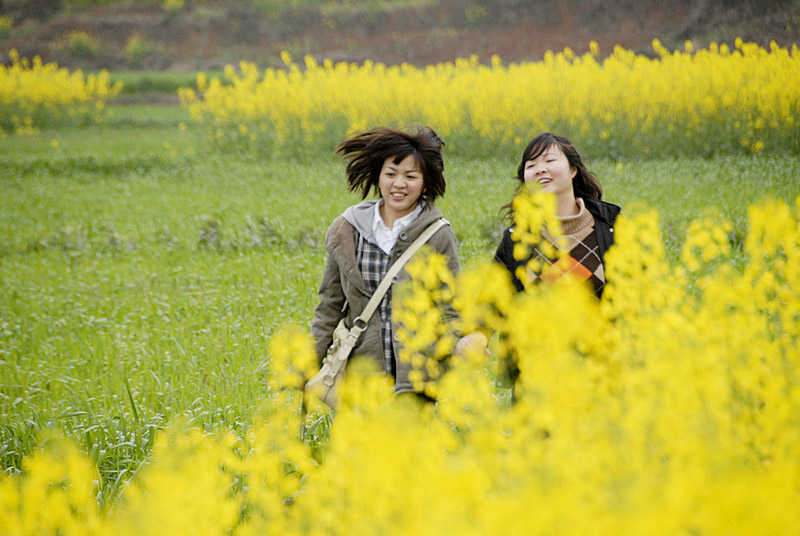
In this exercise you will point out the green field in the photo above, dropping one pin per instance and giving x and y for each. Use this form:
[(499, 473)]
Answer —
[(142, 274)]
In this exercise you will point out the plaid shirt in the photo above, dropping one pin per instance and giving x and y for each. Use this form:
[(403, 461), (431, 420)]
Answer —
[(374, 264)]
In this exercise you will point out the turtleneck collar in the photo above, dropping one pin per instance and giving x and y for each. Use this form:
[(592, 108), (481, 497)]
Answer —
[(573, 224)]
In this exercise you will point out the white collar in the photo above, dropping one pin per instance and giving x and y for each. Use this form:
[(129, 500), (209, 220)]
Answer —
[(386, 238)]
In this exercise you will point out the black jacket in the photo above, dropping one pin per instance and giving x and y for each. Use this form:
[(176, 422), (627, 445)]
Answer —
[(605, 214)]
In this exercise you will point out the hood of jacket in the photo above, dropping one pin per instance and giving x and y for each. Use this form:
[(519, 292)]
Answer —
[(343, 236), (360, 217)]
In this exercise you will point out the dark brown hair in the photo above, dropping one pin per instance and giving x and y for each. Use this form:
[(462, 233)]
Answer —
[(585, 183), (367, 152)]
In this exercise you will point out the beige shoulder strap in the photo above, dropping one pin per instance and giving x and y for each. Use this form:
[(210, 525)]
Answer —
[(360, 323)]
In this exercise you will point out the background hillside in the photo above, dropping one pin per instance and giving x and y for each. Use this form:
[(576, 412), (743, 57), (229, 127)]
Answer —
[(186, 35)]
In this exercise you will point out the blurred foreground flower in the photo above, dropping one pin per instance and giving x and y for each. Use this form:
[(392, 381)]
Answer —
[(667, 408)]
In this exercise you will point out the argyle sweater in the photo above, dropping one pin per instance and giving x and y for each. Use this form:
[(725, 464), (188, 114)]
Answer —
[(583, 258)]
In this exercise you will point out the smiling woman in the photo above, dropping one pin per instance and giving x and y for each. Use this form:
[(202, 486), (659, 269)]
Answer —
[(571, 245), (401, 185), (576, 241), (368, 238)]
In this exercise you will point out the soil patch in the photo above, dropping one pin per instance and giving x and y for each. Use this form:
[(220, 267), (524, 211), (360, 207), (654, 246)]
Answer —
[(204, 36)]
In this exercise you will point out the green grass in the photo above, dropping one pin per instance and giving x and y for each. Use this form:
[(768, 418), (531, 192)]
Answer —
[(140, 82), (142, 275)]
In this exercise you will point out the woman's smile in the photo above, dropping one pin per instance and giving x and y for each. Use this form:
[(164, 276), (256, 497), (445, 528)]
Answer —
[(401, 184), (551, 171)]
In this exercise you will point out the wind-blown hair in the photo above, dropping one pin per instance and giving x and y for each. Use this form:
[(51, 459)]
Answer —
[(367, 152)]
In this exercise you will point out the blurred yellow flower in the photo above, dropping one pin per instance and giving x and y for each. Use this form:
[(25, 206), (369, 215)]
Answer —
[(33, 94)]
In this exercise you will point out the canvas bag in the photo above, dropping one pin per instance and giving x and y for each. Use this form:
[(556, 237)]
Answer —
[(324, 384)]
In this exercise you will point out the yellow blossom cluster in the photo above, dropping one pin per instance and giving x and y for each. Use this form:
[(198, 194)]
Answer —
[(682, 102), (57, 495), (426, 339), (656, 410), (707, 240), (533, 211), (34, 94), (291, 359)]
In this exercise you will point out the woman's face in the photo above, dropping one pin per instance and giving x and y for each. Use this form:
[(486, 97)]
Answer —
[(401, 186), (550, 171)]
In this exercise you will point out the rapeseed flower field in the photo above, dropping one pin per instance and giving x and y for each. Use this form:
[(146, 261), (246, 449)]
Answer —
[(690, 102), (672, 406), (35, 94)]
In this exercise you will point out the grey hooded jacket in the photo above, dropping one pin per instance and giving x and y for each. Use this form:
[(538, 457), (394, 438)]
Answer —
[(343, 292)]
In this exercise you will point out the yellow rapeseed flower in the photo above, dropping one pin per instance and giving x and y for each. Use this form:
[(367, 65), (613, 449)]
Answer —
[(34, 94), (707, 100), (657, 410)]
